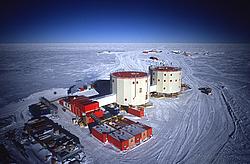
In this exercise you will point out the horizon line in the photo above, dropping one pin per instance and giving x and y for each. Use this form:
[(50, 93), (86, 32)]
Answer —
[(124, 43)]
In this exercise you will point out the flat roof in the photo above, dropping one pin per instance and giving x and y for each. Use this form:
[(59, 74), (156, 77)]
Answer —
[(142, 125), (104, 128), (133, 129), (121, 135), (167, 69), (129, 74), (117, 124)]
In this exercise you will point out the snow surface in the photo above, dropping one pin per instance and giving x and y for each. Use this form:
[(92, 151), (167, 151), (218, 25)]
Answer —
[(193, 128)]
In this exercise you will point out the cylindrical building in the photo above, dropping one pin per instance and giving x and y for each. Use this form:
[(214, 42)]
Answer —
[(130, 87), (167, 79)]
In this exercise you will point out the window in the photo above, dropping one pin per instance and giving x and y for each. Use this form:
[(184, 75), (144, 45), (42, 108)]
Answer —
[(113, 80), (146, 96), (170, 80), (164, 88), (171, 74), (125, 99), (165, 74), (153, 79), (140, 90), (153, 73), (146, 81), (158, 79), (133, 82), (137, 82), (164, 80), (176, 80)]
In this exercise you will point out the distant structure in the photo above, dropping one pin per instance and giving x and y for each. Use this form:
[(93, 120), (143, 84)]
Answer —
[(130, 87), (165, 79)]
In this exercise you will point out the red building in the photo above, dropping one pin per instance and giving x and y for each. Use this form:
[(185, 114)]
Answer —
[(139, 132), (123, 133), (100, 132), (148, 128), (121, 139), (83, 105), (79, 105)]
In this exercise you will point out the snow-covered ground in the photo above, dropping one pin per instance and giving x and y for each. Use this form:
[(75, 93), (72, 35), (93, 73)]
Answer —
[(193, 128)]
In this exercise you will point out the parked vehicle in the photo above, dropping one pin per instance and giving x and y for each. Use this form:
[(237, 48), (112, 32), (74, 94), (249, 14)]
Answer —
[(206, 90), (153, 58)]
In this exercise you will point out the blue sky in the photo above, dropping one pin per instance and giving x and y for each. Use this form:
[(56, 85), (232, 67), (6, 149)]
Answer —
[(123, 21)]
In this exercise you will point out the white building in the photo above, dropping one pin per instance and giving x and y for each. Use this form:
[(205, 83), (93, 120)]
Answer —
[(130, 87), (166, 79)]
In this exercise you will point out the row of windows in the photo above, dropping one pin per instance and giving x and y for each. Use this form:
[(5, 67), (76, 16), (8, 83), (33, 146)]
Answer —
[(134, 82), (165, 74), (169, 80)]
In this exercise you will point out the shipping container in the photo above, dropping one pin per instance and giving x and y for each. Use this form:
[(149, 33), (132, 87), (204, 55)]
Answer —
[(80, 105), (91, 106), (98, 113), (139, 112)]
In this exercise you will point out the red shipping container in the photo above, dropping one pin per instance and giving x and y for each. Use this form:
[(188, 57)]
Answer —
[(83, 105), (98, 113), (76, 110), (91, 106), (136, 112), (100, 136)]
